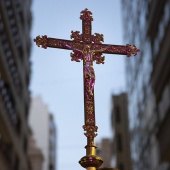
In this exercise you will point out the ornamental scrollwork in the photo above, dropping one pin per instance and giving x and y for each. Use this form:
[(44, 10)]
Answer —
[(99, 58), (76, 56), (97, 38), (90, 131), (90, 115), (131, 50), (76, 36), (41, 41), (86, 15)]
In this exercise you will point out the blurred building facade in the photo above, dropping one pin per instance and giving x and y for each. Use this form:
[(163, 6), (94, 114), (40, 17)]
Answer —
[(44, 131), (120, 127), (34, 153), (52, 143), (147, 25), (104, 151), (15, 44)]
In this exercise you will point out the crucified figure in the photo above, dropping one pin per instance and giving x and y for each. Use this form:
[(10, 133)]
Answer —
[(88, 64)]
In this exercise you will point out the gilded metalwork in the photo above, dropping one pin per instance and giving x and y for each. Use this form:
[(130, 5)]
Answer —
[(99, 58), (89, 109), (89, 48), (76, 36), (131, 50), (107, 168), (90, 131), (91, 161), (97, 38), (41, 41), (86, 15)]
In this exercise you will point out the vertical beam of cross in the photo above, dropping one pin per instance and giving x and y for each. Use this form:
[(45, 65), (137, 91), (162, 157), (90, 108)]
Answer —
[(89, 105), (78, 45)]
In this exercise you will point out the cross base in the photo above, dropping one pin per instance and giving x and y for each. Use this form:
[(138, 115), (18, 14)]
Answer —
[(91, 162)]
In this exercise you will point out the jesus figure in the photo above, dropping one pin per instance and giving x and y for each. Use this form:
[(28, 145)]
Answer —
[(88, 66)]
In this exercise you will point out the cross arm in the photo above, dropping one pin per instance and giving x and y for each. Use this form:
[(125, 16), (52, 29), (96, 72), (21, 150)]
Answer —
[(44, 42), (76, 46), (127, 50)]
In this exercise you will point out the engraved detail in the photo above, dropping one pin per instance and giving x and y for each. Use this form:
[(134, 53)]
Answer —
[(41, 41), (90, 131), (90, 117), (131, 50), (86, 15), (99, 58), (57, 43), (76, 36), (97, 38), (116, 49), (76, 56), (87, 37)]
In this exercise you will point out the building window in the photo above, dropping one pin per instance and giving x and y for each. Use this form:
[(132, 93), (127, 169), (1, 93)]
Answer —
[(119, 142), (117, 114)]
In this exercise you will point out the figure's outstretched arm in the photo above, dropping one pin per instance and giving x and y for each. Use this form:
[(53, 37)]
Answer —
[(99, 51), (66, 45), (70, 47)]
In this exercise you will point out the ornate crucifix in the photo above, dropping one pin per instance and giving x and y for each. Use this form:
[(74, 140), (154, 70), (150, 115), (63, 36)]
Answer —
[(87, 47)]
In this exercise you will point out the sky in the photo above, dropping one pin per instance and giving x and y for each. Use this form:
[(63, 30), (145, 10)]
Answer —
[(59, 81)]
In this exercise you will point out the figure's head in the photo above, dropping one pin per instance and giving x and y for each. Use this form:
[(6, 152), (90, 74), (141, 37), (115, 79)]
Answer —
[(87, 48)]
